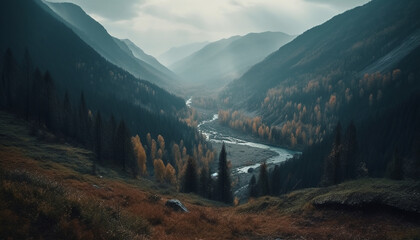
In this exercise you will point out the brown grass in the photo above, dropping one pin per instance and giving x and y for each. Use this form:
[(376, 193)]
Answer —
[(117, 196)]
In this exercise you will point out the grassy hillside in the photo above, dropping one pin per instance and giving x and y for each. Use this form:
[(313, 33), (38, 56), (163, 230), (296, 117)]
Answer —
[(47, 191)]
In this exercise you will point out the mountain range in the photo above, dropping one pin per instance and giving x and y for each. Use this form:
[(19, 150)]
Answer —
[(219, 62), (176, 54), (360, 66)]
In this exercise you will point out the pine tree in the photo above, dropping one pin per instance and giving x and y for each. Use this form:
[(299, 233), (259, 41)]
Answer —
[(205, 182), (49, 102), (332, 161), (37, 95), (6, 79), (112, 138), (395, 167), (27, 71), (275, 181), (262, 183), (123, 147), (82, 122), (349, 160), (252, 187), (98, 136), (190, 177), (223, 178), (66, 116)]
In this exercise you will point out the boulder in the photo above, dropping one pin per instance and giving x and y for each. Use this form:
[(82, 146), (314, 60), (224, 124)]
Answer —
[(176, 205)]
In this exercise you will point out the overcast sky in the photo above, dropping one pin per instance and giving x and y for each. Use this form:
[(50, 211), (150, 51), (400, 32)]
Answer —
[(157, 25)]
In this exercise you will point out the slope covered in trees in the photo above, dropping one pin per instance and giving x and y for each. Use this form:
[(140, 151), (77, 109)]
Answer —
[(99, 39), (325, 75), (32, 95), (27, 26)]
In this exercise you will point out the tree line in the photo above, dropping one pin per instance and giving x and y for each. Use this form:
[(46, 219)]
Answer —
[(33, 95), (342, 157)]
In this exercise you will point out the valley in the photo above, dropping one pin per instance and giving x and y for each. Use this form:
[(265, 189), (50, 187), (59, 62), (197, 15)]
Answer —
[(172, 119), (245, 156)]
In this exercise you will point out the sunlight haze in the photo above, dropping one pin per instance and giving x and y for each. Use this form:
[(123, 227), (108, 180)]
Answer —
[(158, 25)]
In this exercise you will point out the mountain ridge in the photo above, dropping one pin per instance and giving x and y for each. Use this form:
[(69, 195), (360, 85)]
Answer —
[(97, 36), (222, 61)]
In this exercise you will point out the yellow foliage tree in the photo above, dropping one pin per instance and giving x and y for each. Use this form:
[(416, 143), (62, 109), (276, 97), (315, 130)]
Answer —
[(140, 154), (159, 168), (153, 150), (161, 141), (170, 174)]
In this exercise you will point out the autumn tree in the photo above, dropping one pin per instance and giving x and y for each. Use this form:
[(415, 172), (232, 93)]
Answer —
[(140, 154), (161, 142), (153, 150), (224, 190), (176, 153), (160, 169), (170, 174)]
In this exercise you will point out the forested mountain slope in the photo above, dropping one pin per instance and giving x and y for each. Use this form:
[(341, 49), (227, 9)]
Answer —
[(353, 66), (99, 39), (76, 67)]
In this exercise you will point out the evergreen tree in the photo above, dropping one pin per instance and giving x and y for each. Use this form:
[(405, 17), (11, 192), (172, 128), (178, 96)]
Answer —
[(190, 177), (252, 187), (262, 183), (112, 138), (82, 123), (66, 116), (98, 142), (205, 183), (349, 161), (395, 167), (223, 178), (48, 106), (27, 71), (37, 96), (275, 181), (123, 146), (6, 79), (332, 162)]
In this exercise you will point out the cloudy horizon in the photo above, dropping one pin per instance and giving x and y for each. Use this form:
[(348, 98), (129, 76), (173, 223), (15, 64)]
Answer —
[(158, 25)]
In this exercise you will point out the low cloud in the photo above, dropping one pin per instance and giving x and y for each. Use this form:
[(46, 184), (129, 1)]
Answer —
[(157, 25)]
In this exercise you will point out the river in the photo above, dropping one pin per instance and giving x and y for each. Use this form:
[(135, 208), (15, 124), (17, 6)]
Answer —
[(245, 155)]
